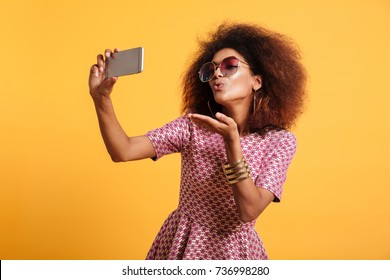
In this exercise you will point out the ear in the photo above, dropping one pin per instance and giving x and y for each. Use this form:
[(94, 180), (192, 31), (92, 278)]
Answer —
[(257, 82)]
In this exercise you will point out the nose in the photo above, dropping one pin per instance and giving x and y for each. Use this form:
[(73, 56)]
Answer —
[(217, 72)]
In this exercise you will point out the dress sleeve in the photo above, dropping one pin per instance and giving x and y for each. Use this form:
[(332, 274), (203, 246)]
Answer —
[(170, 138), (274, 168)]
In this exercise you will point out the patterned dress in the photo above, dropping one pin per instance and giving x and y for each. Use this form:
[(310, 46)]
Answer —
[(206, 224)]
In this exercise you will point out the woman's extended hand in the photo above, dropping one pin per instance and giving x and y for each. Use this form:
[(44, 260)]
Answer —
[(99, 85), (223, 125)]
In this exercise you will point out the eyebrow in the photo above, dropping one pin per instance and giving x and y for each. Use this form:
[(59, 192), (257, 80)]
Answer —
[(224, 59), (216, 62), (231, 56)]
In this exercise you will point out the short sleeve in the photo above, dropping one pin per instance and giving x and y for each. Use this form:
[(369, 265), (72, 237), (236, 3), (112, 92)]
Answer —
[(273, 172), (170, 138)]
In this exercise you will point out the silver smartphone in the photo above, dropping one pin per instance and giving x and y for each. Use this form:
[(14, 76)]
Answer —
[(125, 62)]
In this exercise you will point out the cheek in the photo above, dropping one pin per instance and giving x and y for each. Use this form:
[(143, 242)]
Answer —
[(242, 84)]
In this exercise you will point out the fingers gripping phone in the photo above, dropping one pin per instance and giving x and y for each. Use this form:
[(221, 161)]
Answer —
[(125, 62)]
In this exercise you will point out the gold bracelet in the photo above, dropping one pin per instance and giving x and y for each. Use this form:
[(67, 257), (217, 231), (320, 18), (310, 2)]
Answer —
[(237, 171), (234, 164)]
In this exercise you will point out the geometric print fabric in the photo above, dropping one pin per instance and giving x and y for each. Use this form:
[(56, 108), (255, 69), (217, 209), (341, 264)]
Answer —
[(206, 224)]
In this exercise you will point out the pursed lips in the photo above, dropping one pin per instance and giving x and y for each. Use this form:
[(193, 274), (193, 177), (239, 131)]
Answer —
[(217, 85)]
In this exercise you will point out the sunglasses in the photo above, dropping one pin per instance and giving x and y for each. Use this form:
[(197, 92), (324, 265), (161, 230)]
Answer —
[(228, 67)]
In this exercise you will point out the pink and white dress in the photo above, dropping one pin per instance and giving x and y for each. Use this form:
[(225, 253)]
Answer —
[(206, 224)]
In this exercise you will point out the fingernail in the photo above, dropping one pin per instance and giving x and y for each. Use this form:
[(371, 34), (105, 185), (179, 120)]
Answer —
[(101, 69)]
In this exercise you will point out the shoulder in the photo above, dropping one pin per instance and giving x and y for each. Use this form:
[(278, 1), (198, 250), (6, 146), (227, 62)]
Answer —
[(274, 140), (179, 124), (284, 142), (274, 136), (280, 135)]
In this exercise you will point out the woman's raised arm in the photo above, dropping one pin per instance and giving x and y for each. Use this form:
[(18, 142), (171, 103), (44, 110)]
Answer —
[(120, 146)]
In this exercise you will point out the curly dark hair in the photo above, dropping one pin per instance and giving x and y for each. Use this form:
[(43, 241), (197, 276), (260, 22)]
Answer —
[(271, 55)]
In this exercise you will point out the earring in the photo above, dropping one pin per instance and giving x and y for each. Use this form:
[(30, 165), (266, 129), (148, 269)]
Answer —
[(254, 102), (255, 93), (211, 111)]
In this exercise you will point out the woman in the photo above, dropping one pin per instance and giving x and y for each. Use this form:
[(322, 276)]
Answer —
[(243, 90)]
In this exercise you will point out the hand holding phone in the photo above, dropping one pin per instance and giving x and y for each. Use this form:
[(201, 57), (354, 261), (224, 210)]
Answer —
[(125, 62)]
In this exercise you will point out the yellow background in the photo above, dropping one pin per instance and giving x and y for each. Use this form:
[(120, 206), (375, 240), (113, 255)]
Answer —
[(62, 198)]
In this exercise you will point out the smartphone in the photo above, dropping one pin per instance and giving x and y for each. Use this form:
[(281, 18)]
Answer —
[(125, 62)]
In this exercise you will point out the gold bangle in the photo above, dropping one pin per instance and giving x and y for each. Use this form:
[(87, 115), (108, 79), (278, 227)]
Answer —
[(234, 164), (237, 174), (237, 171)]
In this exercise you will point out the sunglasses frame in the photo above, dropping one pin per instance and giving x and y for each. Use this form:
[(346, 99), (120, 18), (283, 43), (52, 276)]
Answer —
[(216, 66)]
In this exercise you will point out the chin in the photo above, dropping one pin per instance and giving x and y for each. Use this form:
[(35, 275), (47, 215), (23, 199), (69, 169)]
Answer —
[(223, 99), (220, 97)]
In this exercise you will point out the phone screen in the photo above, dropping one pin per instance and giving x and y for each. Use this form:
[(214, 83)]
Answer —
[(125, 62)]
